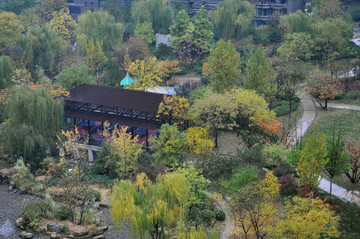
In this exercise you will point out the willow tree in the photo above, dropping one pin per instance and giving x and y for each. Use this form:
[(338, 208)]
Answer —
[(42, 47), (152, 209), (233, 19), (34, 119), (157, 12), (99, 26)]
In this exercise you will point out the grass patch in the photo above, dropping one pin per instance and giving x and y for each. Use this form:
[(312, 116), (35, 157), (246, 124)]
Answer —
[(348, 121), (289, 120), (347, 97), (5, 164)]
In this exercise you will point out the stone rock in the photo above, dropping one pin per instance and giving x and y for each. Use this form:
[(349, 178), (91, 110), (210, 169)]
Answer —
[(22, 191), (100, 230), (54, 235), (15, 191), (99, 237), (79, 231), (42, 178), (52, 227), (56, 192), (20, 222), (10, 188), (43, 228), (7, 172), (26, 235), (97, 205), (12, 184), (104, 205)]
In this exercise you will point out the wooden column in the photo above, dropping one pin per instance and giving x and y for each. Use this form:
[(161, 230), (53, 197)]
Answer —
[(88, 126), (146, 135), (132, 132)]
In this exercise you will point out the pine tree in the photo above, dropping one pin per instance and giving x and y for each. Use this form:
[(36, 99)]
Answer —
[(203, 27)]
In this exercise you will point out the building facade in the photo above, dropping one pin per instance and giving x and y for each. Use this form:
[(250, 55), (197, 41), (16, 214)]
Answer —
[(266, 9)]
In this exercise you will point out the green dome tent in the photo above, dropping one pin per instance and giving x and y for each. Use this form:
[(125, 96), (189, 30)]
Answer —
[(127, 80)]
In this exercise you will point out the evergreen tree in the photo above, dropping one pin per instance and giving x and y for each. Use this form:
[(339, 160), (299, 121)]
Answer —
[(260, 76), (182, 21), (203, 27), (224, 66), (5, 71)]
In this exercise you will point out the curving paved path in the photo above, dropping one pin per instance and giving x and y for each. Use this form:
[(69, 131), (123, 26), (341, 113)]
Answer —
[(229, 224), (309, 113), (344, 106)]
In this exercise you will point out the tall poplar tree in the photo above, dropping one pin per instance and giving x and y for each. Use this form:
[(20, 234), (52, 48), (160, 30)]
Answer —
[(224, 66), (260, 76)]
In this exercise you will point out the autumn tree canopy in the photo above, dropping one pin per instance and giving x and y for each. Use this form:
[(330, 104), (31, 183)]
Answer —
[(151, 209)]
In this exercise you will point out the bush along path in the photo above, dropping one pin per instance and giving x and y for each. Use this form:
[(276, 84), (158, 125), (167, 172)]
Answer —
[(309, 113)]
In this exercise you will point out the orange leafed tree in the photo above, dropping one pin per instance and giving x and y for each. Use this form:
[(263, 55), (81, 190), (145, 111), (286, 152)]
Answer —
[(170, 68), (323, 88), (353, 150)]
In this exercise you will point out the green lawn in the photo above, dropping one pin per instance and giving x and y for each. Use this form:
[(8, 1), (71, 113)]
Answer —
[(289, 121), (346, 120)]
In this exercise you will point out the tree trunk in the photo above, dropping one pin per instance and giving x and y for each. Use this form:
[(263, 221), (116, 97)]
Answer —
[(331, 181), (325, 107)]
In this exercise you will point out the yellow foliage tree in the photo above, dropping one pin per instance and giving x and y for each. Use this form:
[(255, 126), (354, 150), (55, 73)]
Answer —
[(306, 218), (71, 146), (152, 209), (256, 207), (10, 27), (126, 151), (173, 109), (215, 112), (95, 56), (198, 141), (147, 73), (63, 24)]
